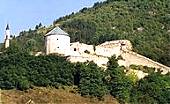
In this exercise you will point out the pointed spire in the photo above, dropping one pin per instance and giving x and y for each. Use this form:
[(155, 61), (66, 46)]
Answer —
[(7, 27)]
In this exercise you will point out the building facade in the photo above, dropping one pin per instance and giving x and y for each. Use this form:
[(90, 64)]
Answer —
[(57, 41)]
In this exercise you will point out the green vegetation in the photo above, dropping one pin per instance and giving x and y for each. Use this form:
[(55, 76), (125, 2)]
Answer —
[(144, 22), (1, 47), (145, 69), (91, 80), (23, 71), (154, 89), (118, 83)]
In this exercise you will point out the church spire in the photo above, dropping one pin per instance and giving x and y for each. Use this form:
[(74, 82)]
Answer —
[(7, 36), (7, 27)]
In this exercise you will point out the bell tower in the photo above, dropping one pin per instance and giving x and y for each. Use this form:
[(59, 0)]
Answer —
[(7, 36)]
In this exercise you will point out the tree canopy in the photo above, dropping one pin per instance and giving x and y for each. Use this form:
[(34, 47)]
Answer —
[(22, 71)]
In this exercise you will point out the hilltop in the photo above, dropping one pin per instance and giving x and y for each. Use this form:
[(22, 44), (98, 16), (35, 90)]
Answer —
[(145, 23)]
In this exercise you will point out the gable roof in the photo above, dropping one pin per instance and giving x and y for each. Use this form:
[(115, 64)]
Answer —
[(57, 31)]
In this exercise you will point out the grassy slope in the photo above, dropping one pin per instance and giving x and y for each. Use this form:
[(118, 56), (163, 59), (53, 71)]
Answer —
[(49, 95)]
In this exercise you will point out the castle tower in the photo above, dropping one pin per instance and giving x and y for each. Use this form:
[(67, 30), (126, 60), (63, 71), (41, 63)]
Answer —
[(57, 41), (7, 36)]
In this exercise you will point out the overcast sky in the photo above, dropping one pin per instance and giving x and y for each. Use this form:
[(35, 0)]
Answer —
[(25, 14)]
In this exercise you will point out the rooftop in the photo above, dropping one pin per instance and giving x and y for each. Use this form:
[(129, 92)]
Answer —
[(57, 31)]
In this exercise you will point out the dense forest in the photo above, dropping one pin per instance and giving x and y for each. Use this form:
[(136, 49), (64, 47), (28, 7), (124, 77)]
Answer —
[(146, 23), (22, 71)]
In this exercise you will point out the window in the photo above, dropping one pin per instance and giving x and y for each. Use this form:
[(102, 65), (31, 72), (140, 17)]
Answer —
[(57, 38), (74, 49)]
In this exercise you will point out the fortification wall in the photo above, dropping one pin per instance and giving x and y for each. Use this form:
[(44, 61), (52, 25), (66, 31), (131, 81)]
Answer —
[(99, 60), (107, 52), (117, 43), (136, 59), (81, 47), (107, 49)]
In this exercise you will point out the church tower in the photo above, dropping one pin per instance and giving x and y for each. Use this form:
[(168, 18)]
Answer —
[(7, 36)]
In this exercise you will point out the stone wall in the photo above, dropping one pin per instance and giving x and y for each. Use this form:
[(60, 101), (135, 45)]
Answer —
[(125, 44), (136, 59), (108, 52), (99, 60), (107, 49), (110, 48), (81, 48)]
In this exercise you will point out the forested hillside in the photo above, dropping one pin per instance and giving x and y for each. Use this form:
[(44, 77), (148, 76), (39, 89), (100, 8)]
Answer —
[(146, 23), (22, 71)]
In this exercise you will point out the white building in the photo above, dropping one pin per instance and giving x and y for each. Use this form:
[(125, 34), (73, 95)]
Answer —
[(77, 49), (57, 41), (7, 36)]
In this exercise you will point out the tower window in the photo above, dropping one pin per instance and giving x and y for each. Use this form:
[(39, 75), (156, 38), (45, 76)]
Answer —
[(74, 49), (57, 47), (57, 38)]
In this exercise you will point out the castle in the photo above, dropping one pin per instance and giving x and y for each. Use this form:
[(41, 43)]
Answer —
[(58, 41)]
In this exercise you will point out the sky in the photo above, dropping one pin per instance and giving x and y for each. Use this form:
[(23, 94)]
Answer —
[(24, 14)]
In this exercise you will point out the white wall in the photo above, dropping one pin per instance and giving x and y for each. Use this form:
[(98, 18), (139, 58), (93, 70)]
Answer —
[(100, 61), (7, 38), (7, 34), (81, 48), (57, 44), (6, 43), (108, 52), (137, 59)]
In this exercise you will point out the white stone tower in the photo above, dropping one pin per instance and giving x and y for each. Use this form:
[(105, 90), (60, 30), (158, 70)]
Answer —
[(57, 41), (7, 36)]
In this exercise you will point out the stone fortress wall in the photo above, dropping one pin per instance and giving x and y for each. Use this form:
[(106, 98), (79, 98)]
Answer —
[(77, 49), (99, 60), (137, 59), (99, 54)]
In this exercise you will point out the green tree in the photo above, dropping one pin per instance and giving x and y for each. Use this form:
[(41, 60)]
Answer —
[(91, 81), (118, 83), (153, 89), (13, 76)]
